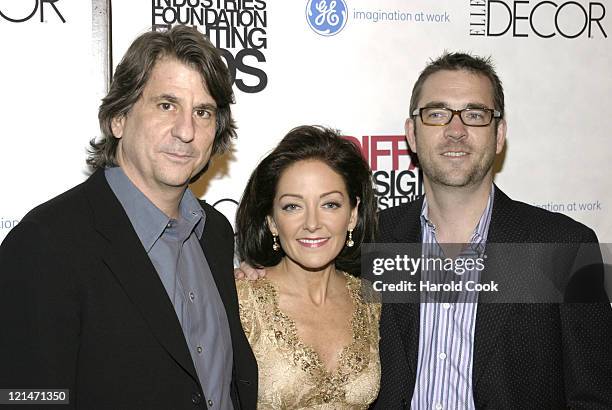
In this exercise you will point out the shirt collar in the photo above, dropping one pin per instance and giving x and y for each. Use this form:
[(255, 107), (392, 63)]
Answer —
[(149, 221), (480, 231), (192, 212)]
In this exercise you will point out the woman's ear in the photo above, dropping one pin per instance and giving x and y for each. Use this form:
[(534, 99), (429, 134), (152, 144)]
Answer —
[(271, 225), (354, 215)]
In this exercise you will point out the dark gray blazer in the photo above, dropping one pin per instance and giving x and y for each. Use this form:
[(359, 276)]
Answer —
[(82, 307), (526, 356)]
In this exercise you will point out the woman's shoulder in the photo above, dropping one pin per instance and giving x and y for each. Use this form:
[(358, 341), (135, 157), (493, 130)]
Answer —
[(254, 303), (364, 288), (243, 288), (363, 291), (253, 292), (244, 291)]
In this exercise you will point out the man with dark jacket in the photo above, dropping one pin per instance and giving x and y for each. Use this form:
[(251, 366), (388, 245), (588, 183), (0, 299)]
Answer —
[(482, 353), (121, 290)]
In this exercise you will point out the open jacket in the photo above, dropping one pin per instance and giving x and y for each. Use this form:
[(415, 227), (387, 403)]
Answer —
[(526, 356), (82, 308)]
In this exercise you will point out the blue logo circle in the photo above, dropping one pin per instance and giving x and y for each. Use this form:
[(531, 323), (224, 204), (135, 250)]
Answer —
[(326, 17)]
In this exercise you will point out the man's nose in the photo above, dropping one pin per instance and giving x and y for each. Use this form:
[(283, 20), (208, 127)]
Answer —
[(184, 127), (456, 129)]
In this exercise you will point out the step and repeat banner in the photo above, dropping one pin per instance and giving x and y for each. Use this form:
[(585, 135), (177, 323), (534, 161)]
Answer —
[(347, 64)]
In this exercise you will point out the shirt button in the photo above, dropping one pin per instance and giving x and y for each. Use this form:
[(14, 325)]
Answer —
[(210, 403), (191, 296), (199, 349), (196, 398), (442, 355), (446, 306), (439, 406)]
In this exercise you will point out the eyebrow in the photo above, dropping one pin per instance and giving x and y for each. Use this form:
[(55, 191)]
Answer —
[(320, 196), (436, 104), (206, 106), (165, 97), (174, 99), (441, 104), (475, 105)]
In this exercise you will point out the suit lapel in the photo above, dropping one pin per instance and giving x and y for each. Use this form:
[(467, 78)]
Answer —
[(215, 255), (126, 258), (407, 315), (505, 227)]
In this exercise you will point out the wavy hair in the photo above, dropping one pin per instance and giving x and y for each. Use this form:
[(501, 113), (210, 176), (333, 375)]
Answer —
[(187, 45), (254, 239)]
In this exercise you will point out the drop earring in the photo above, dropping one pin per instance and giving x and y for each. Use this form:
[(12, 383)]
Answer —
[(349, 241), (275, 245)]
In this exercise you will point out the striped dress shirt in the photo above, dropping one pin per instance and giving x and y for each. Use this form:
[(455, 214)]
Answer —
[(446, 334)]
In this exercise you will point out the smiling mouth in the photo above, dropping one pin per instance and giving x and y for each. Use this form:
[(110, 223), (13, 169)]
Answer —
[(454, 154), (313, 243)]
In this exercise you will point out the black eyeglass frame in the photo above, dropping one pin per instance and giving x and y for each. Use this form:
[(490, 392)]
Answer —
[(494, 114)]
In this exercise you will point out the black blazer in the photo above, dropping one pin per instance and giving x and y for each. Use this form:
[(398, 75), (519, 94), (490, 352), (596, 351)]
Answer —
[(82, 307), (526, 356)]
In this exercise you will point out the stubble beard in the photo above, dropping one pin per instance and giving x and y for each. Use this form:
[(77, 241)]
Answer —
[(457, 178)]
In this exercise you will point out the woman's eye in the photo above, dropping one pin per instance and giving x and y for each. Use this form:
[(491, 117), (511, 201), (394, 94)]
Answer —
[(290, 207), (331, 205)]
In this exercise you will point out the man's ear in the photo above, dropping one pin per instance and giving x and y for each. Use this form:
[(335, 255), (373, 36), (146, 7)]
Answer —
[(118, 125), (271, 225), (410, 135), (501, 136)]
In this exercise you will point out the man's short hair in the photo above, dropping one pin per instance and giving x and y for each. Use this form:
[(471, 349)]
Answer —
[(460, 61), (190, 47)]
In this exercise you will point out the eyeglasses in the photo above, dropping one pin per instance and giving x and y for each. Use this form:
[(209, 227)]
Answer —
[(473, 117)]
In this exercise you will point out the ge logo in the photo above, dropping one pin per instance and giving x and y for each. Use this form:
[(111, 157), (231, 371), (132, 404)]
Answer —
[(19, 11), (326, 17)]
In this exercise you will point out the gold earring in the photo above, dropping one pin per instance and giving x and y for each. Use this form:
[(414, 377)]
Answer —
[(349, 241), (275, 245)]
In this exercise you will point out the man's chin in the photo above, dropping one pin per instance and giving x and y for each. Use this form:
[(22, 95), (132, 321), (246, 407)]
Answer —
[(449, 178), (178, 178), (454, 183), (176, 181)]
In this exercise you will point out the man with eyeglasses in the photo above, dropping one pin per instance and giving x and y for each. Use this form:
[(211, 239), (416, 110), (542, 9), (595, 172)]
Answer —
[(484, 355)]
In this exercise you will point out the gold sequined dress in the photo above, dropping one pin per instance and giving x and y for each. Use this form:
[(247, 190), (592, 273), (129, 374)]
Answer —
[(291, 374)]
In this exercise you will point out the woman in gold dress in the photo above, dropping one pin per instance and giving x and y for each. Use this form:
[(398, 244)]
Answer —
[(305, 211)]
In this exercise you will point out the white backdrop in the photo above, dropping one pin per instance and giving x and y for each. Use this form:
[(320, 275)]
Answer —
[(558, 89)]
